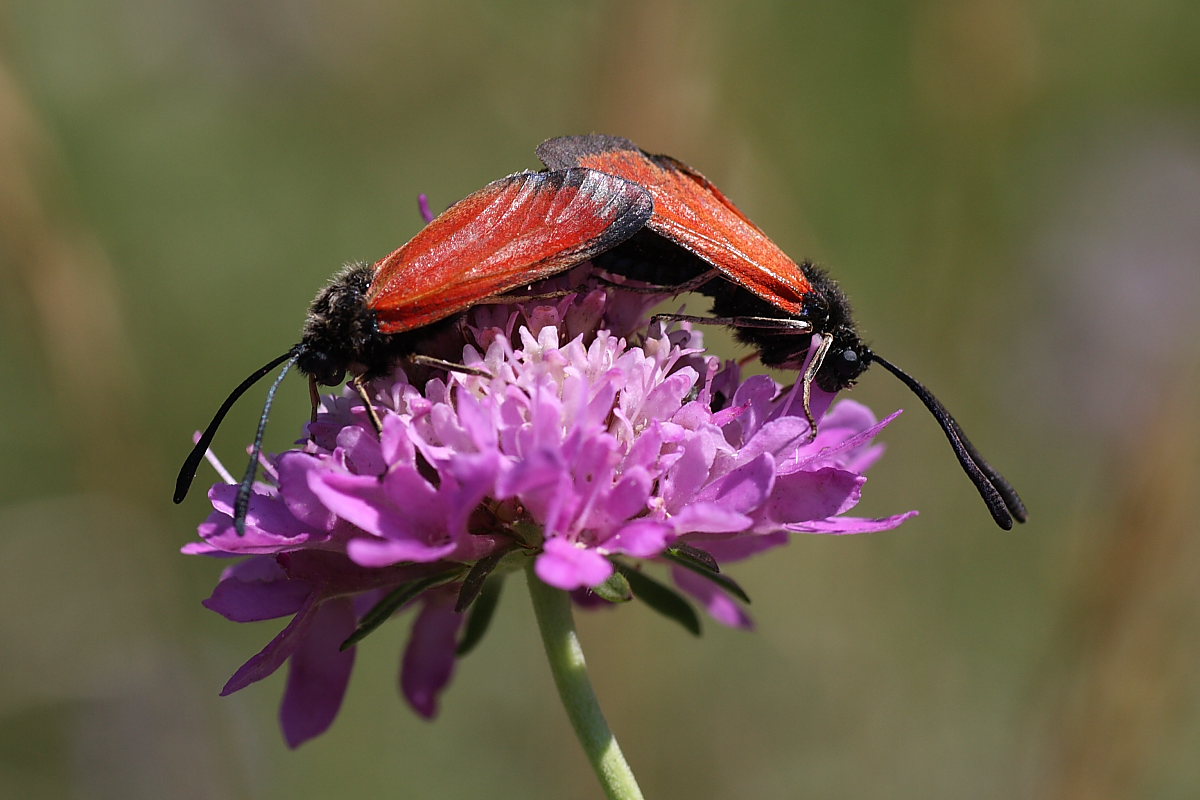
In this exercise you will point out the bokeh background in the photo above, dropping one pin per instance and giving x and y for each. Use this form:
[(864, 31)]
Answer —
[(1008, 189)]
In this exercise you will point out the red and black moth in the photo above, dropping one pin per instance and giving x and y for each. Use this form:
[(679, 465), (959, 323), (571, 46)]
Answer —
[(644, 216), (697, 238), (512, 232)]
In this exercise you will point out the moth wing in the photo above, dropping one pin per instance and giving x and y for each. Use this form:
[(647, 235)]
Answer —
[(510, 233), (692, 212)]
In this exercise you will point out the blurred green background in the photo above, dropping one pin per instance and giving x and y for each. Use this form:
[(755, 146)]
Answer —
[(1009, 191)]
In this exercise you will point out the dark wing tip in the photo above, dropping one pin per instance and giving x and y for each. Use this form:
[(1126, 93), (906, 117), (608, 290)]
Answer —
[(564, 152), (626, 205), (633, 201)]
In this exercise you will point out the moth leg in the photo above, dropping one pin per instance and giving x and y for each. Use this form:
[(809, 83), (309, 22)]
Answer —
[(768, 323), (810, 375), (314, 397), (509, 299), (449, 366), (683, 288), (360, 387)]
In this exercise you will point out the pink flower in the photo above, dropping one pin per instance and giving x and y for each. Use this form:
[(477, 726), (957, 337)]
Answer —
[(584, 442)]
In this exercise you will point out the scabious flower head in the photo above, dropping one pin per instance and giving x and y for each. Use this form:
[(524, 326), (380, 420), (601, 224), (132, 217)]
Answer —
[(581, 436)]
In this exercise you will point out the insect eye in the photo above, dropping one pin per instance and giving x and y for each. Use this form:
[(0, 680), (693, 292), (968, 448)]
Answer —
[(327, 370), (848, 364)]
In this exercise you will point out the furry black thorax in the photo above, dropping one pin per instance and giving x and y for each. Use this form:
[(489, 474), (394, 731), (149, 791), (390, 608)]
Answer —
[(341, 333)]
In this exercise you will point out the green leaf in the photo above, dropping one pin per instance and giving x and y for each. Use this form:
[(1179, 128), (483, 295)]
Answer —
[(615, 589), (481, 615), (473, 583), (684, 550), (662, 598), (700, 567), (391, 603)]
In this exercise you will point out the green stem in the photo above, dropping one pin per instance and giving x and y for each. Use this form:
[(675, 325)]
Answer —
[(552, 607)]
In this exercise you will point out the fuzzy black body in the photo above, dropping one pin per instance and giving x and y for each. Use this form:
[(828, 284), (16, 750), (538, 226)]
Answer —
[(341, 333), (654, 259)]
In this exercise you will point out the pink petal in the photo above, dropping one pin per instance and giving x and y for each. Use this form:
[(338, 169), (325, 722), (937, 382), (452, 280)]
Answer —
[(745, 488), (220, 536), (846, 525), (723, 608), (243, 596), (395, 442), (296, 473), (781, 438), (710, 517), (266, 515), (318, 673), (277, 651), (429, 658), (689, 473), (736, 548), (628, 498), (641, 538), (360, 452), (804, 496), (566, 566), (842, 444), (383, 552)]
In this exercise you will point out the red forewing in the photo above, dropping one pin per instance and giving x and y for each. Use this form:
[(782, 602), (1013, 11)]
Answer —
[(692, 212), (512, 232)]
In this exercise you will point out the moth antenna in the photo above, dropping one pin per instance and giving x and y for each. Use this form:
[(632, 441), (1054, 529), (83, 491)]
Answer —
[(998, 494), (242, 504), (187, 473)]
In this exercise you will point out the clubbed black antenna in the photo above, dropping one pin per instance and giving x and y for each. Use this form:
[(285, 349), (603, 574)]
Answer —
[(1001, 498), (242, 504), (187, 473)]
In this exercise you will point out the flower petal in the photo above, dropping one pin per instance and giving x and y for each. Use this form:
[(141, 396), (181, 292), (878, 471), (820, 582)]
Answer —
[(277, 651), (804, 496), (429, 658), (720, 606), (838, 449), (689, 473), (735, 548), (318, 673), (610, 448), (297, 472), (847, 525), (641, 538), (360, 452), (745, 488), (566, 566), (781, 438), (257, 589), (710, 517), (369, 552)]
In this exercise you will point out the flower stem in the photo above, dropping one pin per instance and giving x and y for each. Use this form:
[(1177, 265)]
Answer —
[(552, 607)]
